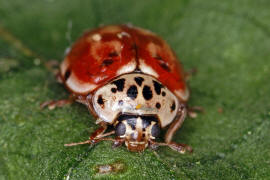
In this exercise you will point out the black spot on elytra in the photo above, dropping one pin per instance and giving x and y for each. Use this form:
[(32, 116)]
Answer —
[(139, 80), (100, 100), (67, 74), (165, 67), (157, 87), (158, 57), (113, 90), (158, 105), (147, 93), (132, 92), (163, 93), (120, 83), (113, 54), (173, 106), (107, 62)]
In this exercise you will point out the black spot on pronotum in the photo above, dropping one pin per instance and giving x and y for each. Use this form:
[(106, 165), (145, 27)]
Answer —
[(173, 106), (158, 105), (67, 74), (165, 67), (120, 129), (132, 92), (100, 100), (120, 102), (113, 90), (139, 80), (120, 84), (158, 87), (155, 131), (147, 93), (107, 62), (163, 93)]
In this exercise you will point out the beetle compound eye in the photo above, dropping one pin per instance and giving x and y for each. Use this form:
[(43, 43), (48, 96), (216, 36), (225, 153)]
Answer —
[(155, 131), (120, 129)]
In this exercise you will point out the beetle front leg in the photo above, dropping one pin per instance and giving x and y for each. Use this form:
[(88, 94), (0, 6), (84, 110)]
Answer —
[(58, 103), (181, 148), (182, 112)]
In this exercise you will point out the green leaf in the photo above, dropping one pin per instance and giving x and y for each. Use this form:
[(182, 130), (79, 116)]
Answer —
[(226, 41)]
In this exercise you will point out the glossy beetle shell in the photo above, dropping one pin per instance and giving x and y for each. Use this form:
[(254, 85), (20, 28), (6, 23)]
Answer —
[(105, 53)]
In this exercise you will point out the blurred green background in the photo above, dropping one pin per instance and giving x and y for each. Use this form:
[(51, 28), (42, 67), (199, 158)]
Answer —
[(227, 41)]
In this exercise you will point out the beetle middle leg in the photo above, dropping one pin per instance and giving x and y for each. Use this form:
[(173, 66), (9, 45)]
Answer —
[(58, 103), (182, 148)]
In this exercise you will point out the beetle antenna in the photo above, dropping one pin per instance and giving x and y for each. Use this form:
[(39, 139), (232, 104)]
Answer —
[(79, 143), (93, 141)]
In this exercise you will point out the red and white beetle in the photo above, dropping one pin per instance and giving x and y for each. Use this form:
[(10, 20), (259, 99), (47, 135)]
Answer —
[(130, 79)]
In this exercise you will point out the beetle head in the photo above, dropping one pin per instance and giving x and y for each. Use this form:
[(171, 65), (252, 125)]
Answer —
[(137, 130)]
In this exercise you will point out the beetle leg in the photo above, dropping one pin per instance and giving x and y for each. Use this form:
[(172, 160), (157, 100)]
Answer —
[(99, 132), (181, 148), (176, 124), (58, 103), (192, 111), (190, 73)]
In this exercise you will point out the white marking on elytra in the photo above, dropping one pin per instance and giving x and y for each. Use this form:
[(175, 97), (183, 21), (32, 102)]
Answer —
[(121, 34), (129, 67), (64, 66), (184, 95), (147, 69), (96, 37), (79, 87)]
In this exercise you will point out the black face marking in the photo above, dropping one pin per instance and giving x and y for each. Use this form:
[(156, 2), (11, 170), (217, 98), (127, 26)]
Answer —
[(132, 119), (120, 129), (147, 93), (100, 100), (155, 131), (163, 93), (113, 54), (113, 90), (173, 106), (67, 74), (165, 67), (158, 105), (146, 120), (158, 87), (107, 62), (120, 102), (132, 123), (139, 80), (132, 92), (120, 83)]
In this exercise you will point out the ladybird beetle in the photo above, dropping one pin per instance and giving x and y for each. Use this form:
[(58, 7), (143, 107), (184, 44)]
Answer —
[(130, 79)]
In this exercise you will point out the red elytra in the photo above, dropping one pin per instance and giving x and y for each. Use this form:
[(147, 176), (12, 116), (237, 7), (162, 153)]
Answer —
[(98, 56)]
